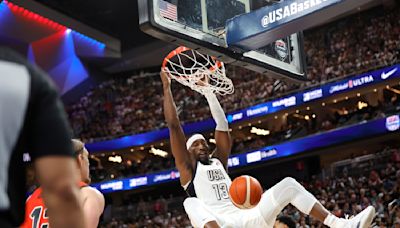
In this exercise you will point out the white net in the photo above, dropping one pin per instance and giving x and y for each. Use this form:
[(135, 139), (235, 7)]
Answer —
[(202, 73)]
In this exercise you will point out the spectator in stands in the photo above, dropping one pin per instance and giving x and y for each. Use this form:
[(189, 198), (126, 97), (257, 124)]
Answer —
[(394, 212), (284, 222)]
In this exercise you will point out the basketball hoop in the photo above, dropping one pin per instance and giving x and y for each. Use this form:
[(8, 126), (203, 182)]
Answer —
[(202, 73)]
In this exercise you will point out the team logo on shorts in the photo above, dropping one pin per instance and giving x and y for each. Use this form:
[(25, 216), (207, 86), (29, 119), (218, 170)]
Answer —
[(393, 123), (281, 49)]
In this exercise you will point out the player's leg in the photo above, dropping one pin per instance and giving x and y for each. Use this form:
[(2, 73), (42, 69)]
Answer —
[(198, 214), (290, 191)]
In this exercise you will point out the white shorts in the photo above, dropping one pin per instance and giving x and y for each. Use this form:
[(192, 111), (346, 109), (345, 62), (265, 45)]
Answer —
[(263, 215)]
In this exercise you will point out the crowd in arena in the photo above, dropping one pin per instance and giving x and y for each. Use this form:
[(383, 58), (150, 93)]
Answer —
[(372, 179), (150, 163), (294, 128), (360, 42), (357, 185), (129, 105)]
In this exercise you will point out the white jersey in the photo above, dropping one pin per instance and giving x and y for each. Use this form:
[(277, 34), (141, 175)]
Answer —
[(211, 184)]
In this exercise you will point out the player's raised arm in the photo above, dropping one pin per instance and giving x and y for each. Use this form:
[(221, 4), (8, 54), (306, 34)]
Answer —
[(222, 135), (177, 138)]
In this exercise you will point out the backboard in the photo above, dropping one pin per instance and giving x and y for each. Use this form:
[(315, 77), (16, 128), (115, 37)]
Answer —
[(242, 32)]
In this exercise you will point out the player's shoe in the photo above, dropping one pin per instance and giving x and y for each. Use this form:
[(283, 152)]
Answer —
[(363, 219)]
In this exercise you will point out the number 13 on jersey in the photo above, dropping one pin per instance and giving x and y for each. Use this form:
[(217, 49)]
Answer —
[(221, 191)]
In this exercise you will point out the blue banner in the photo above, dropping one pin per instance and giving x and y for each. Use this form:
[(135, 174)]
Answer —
[(256, 29), (356, 82), (137, 181), (309, 143), (148, 137), (353, 83)]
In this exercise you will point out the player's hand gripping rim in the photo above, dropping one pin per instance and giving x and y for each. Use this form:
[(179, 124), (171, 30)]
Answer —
[(165, 78)]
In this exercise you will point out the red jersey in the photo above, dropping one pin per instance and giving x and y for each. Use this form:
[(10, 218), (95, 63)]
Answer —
[(36, 212)]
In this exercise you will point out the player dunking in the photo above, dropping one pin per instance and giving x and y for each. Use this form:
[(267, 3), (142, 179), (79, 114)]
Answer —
[(207, 183), (93, 201)]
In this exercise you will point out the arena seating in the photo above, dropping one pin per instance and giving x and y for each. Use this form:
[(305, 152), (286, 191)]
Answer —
[(352, 45)]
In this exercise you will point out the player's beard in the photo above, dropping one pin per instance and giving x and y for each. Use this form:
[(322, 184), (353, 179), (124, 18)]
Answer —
[(205, 160)]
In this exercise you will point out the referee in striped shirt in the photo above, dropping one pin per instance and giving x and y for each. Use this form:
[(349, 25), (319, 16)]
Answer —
[(32, 120)]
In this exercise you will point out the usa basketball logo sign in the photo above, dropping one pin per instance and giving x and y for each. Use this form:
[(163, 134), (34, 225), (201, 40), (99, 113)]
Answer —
[(393, 123)]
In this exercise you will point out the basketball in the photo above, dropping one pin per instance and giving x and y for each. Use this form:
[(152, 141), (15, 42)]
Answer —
[(245, 192)]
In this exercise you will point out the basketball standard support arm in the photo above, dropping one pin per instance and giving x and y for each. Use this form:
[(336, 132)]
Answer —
[(217, 112)]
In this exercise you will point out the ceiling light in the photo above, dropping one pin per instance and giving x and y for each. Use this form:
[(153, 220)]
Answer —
[(50, 24)]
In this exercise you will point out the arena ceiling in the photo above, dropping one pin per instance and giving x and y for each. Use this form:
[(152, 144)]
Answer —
[(120, 20)]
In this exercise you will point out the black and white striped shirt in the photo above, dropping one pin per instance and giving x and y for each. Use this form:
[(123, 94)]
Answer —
[(32, 119)]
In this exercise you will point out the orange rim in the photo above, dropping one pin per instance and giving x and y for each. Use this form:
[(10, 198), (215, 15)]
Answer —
[(181, 49)]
